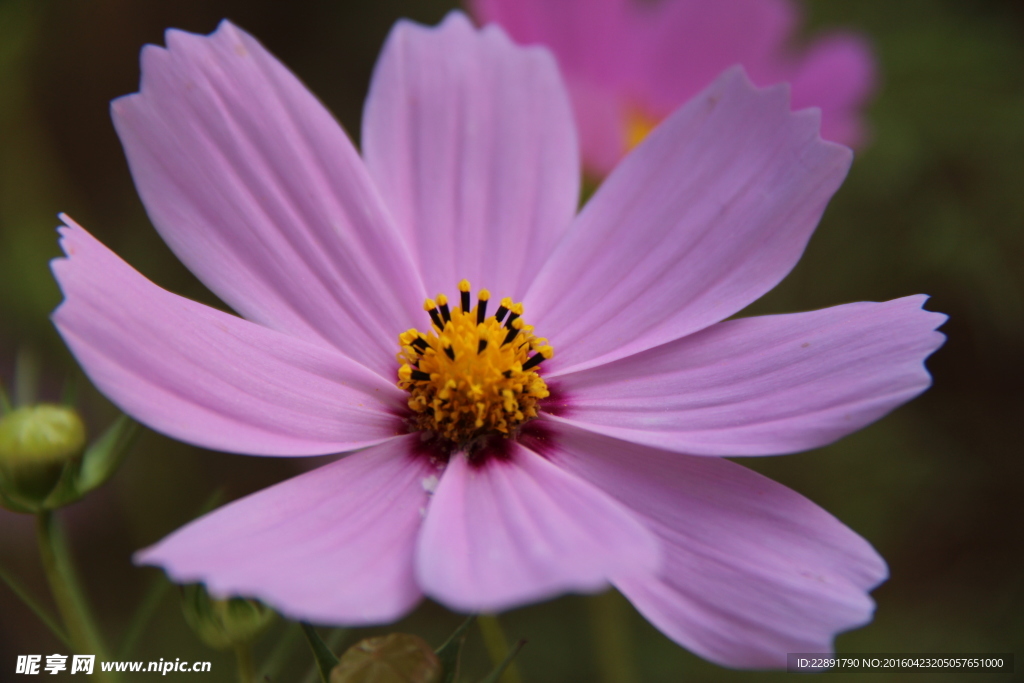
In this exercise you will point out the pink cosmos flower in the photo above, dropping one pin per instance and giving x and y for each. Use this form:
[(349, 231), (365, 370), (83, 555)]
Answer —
[(630, 63), (487, 472)]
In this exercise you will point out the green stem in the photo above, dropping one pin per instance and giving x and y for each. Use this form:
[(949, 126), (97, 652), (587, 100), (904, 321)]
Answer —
[(497, 647), (608, 615), (283, 650), (33, 605), (81, 627), (147, 608), (246, 668), (5, 401)]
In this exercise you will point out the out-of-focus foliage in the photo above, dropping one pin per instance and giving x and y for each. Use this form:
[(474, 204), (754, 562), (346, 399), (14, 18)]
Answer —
[(933, 204), (394, 658), (224, 624)]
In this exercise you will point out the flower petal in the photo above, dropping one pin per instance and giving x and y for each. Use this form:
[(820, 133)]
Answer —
[(762, 386), (256, 188), (681, 46), (837, 74), (334, 545), (207, 377), (753, 570), (591, 40), (520, 529), (471, 140), (711, 211)]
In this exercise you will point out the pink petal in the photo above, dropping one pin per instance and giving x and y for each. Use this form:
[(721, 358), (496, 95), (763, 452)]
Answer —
[(599, 121), (650, 57), (206, 377), (256, 188), (710, 212), (753, 569), (837, 74), (334, 545), (681, 46), (520, 529), (762, 386), (472, 143), (590, 38)]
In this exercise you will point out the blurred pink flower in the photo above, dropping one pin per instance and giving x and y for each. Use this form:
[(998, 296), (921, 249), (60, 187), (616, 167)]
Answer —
[(470, 170), (629, 63)]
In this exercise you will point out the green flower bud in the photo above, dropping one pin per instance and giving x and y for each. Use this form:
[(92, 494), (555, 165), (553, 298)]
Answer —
[(394, 658), (223, 624), (39, 446)]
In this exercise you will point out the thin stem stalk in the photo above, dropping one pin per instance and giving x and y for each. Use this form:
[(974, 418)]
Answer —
[(140, 620), (67, 593), (34, 605), (246, 667), (497, 646), (608, 619)]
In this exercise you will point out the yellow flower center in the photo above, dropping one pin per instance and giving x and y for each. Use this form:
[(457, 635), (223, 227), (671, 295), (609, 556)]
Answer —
[(472, 376), (639, 124)]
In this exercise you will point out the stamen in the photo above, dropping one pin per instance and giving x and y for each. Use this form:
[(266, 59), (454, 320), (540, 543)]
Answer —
[(516, 326), (481, 346), (450, 352), (431, 307), (464, 292), (420, 376), (506, 303), (517, 310), (442, 301), (538, 358), (481, 308), (419, 343)]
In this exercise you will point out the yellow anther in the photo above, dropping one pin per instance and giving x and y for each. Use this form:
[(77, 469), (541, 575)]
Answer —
[(442, 300), (464, 286), (429, 305), (483, 294), (506, 302)]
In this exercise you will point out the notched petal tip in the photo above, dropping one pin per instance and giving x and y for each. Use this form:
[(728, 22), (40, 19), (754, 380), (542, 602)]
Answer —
[(73, 238), (735, 81)]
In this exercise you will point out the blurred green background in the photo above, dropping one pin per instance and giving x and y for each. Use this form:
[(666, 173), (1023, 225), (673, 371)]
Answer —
[(934, 204)]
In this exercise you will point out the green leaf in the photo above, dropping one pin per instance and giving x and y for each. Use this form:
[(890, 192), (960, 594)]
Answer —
[(449, 652), (104, 456), (496, 674), (35, 606), (325, 659)]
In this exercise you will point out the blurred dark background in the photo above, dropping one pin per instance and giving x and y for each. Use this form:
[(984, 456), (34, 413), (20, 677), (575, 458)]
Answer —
[(934, 204)]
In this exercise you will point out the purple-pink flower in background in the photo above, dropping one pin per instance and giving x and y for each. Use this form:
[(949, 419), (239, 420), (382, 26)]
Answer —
[(493, 467), (630, 63)]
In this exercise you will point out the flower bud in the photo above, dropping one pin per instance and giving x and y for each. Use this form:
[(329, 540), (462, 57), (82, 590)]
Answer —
[(224, 624), (394, 658), (37, 445)]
